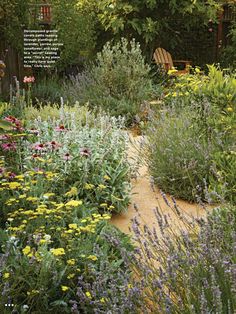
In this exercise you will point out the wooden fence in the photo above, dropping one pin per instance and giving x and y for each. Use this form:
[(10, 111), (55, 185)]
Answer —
[(14, 67)]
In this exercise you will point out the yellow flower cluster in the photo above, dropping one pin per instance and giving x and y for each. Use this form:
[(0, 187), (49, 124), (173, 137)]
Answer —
[(58, 252), (34, 210), (73, 203)]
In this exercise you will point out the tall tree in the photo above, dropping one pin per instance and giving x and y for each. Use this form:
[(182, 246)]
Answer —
[(151, 21)]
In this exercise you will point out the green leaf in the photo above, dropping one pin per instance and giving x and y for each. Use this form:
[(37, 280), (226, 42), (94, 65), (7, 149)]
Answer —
[(5, 125), (59, 303)]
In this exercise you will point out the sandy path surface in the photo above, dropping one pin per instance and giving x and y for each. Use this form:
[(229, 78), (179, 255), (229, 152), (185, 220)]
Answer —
[(146, 199)]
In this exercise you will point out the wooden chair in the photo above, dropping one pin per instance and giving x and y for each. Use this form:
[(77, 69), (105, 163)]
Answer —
[(164, 59)]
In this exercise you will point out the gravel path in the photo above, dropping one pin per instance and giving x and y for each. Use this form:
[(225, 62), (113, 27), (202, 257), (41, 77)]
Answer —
[(146, 199)]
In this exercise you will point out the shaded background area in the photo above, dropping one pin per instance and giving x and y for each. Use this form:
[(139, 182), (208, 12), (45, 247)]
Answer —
[(85, 28)]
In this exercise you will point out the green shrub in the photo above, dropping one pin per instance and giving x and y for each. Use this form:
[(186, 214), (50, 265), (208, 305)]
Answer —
[(81, 114), (218, 87), (4, 107), (228, 54), (77, 31), (118, 83)]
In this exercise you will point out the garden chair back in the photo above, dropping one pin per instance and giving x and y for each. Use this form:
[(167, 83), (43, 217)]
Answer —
[(164, 59)]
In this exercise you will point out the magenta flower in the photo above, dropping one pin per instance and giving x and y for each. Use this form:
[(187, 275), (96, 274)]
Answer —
[(85, 152), (9, 146), (61, 128)]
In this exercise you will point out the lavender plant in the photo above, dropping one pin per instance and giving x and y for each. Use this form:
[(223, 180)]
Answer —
[(190, 151), (190, 268), (179, 153), (204, 109)]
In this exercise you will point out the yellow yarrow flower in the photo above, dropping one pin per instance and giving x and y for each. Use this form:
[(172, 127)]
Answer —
[(88, 186), (106, 177), (64, 288), (230, 109), (88, 294), (20, 177), (59, 205), (103, 205), (10, 201), (14, 185), (70, 262), (92, 257), (171, 71), (22, 196), (73, 203), (73, 226), (32, 199), (101, 186), (73, 192), (58, 251), (106, 217), (26, 251), (6, 275), (47, 195)]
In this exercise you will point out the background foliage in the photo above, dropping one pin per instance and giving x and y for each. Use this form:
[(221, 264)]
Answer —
[(156, 23), (77, 25)]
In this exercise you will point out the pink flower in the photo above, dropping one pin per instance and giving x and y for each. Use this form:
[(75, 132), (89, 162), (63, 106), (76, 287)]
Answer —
[(15, 122), (11, 175), (39, 146), (67, 157), (29, 79), (11, 119), (2, 170), (9, 146), (61, 128), (34, 131), (4, 137), (35, 156), (85, 152), (53, 145)]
